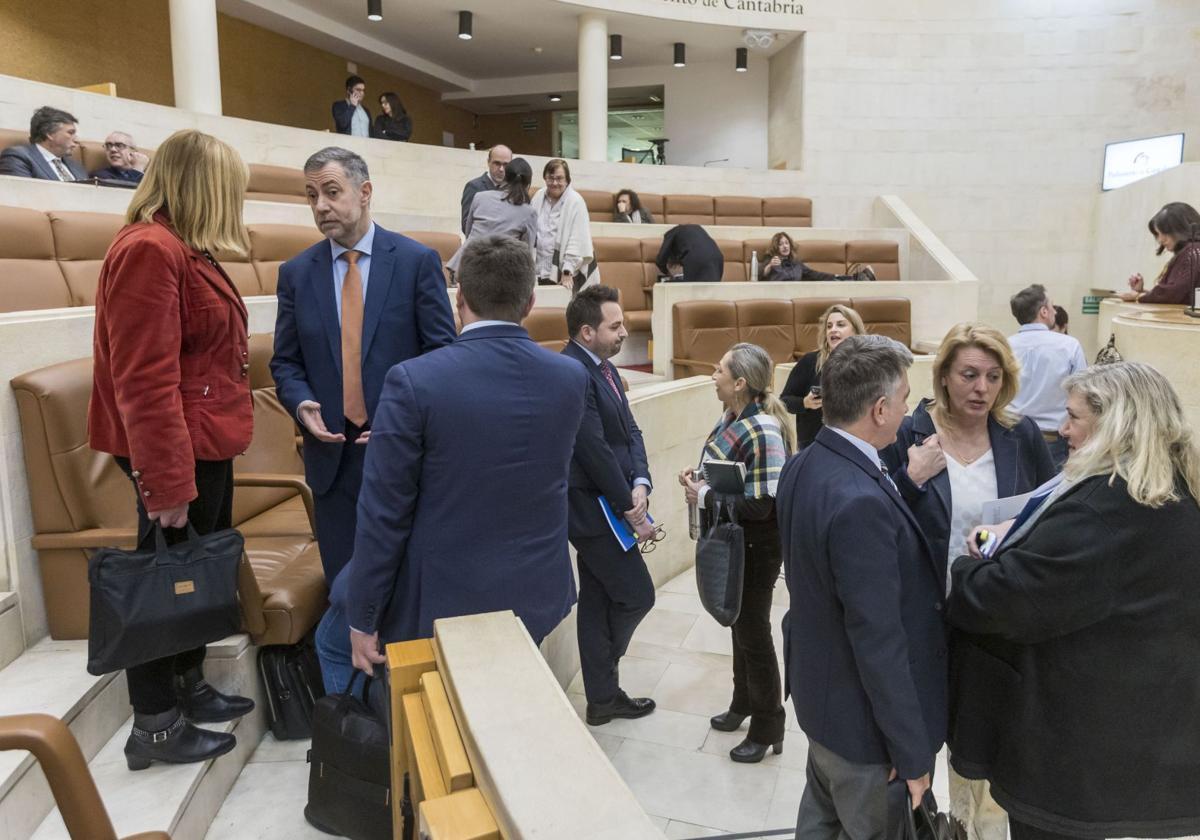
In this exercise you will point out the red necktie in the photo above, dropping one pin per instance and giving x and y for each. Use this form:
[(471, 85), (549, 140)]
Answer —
[(604, 366)]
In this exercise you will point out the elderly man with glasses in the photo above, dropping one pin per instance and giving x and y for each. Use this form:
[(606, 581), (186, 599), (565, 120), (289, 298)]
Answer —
[(125, 162)]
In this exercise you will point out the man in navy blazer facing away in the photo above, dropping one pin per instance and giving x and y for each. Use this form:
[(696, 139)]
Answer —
[(464, 501), (349, 309), (615, 589), (864, 643)]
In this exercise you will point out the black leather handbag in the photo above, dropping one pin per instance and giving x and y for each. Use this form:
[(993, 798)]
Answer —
[(924, 823), (150, 603), (292, 684), (349, 781), (721, 563)]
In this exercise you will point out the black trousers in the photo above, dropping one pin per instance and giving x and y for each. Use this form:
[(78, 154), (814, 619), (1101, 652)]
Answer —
[(811, 274), (336, 510), (1024, 831), (615, 593), (757, 690), (151, 688)]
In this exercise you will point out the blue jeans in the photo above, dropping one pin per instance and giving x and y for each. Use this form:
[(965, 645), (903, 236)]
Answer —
[(333, 650)]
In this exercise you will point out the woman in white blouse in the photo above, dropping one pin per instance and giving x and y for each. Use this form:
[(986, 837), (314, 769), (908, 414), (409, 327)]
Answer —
[(955, 452)]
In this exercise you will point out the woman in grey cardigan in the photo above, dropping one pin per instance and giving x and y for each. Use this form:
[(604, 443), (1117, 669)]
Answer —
[(504, 211)]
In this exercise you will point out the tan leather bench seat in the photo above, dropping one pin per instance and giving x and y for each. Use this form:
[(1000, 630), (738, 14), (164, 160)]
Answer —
[(600, 204), (704, 331), (735, 271), (882, 255), (80, 242), (688, 209), (276, 183), (30, 278), (548, 327), (621, 267), (822, 255), (273, 245), (81, 501), (738, 210), (787, 212)]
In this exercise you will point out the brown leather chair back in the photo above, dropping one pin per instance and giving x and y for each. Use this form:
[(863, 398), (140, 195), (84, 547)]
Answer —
[(276, 183), (752, 246), (787, 212), (30, 277), (80, 242), (806, 318), (272, 245), (704, 332), (688, 209), (13, 137), (735, 270), (240, 269), (653, 202), (548, 327), (446, 244), (620, 263), (738, 210), (890, 316), (767, 323), (650, 248), (822, 255), (881, 255), (599, 204), (91, 155)]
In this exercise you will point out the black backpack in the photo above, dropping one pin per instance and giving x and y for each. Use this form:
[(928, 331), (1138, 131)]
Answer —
[(292, 683)]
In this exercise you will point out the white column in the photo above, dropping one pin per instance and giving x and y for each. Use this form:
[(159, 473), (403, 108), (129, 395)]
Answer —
[(195, 60), (593, 87)]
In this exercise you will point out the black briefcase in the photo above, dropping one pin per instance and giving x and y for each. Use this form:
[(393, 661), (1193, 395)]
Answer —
[(292, 684), (721, 564), (349, 781), (150, 603)]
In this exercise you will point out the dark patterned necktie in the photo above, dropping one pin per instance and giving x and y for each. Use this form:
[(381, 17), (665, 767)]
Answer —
[(61, 167), (604, 366)]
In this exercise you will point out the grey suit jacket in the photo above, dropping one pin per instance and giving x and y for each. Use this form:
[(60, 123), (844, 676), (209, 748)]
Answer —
[(490, 214), (27, 162)]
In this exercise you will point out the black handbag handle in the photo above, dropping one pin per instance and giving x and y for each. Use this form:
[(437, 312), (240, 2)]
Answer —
[(160, 536), (366, 691)]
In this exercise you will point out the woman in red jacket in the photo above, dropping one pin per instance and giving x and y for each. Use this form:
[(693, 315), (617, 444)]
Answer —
[(1176, 228), (171, 401)]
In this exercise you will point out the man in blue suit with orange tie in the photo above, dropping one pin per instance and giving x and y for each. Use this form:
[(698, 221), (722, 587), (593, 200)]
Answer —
[(349, 309), (864, 642), (464, 500)]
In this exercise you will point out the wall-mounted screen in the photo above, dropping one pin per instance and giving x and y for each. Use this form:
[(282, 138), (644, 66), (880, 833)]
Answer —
[(1132, 160)]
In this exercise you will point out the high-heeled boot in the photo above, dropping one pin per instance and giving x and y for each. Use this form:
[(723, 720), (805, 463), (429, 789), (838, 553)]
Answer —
[(202, 703), (169, 737)]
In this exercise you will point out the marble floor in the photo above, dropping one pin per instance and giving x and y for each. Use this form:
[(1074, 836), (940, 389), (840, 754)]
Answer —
[(672, 760)]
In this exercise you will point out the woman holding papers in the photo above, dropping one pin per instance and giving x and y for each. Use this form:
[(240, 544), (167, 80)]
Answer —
[(955, 452), (1096, 594), (754, 429)]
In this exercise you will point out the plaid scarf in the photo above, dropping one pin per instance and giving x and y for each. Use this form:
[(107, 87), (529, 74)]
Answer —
[(754, 439)]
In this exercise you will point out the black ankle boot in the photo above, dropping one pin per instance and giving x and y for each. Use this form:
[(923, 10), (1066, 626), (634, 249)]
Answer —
[(202, 703), (726, 721), (168, 737), (751, 752)]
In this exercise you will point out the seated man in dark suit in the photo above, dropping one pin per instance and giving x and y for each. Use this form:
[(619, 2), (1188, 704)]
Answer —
[(499, 157), (125, 162), (615, 589), (48, 154), (689, 255), (864, 640), (464, 498)]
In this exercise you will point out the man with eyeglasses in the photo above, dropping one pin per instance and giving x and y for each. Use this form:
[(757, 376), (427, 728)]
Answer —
[(125, 162), (615, 588)]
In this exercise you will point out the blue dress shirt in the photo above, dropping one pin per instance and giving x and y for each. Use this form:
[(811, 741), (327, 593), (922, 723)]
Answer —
[(340, 266), (1047, 358)]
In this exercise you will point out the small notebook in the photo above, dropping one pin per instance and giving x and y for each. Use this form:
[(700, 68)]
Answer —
[(621, 529), (725, 477)]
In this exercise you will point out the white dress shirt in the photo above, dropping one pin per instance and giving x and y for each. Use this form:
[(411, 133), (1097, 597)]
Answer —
[(50, 158), (360, 123), (1047, 358), (340, 266)]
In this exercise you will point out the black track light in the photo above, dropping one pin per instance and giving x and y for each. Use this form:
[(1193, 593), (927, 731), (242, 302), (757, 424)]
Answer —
[(614, 47), (680, 61), (464, 25), (374, 9), (742, 57)]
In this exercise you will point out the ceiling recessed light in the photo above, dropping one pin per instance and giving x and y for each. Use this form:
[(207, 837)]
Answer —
[(464, 25), (556, 97), (374, 9)]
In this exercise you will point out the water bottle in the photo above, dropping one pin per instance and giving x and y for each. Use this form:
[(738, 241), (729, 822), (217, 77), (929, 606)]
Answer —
[(754, 265)]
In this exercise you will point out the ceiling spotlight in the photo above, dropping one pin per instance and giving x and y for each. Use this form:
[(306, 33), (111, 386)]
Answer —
[(614, 47), (556, 97), (374, 9), (679, 59), (464, 25), (742, 53)]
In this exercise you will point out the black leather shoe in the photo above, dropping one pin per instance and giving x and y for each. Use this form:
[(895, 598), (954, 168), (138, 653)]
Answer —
[(178, 743), (726, 721), (202, 703), (749, 752), (622, 706)]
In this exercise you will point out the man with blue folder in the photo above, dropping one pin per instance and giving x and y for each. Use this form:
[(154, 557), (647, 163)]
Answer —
[(615, 589)]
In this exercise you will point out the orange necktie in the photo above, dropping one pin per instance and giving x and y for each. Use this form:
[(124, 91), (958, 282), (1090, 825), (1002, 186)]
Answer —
[(354, 405)]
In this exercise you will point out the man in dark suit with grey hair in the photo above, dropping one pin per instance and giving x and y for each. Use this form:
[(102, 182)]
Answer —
[(864, 641), (48, 154)]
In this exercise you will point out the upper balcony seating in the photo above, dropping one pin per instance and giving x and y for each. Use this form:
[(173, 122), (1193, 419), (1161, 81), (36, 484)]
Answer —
[(745, 211), (787, 329), (81, 501)]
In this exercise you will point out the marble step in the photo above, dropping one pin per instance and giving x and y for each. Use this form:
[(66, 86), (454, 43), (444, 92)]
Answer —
[(51, 677), (12, 635)]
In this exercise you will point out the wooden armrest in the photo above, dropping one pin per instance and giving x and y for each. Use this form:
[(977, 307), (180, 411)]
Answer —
[(295, 482), (88, 539)]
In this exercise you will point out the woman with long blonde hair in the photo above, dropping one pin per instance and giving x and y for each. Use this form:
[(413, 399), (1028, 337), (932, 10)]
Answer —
[(802, 392), (1093, 600), (954, 453), (754, 429), (171, 402)]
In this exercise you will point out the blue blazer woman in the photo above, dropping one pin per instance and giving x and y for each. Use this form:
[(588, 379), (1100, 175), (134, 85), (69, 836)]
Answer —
[(1022, 459)]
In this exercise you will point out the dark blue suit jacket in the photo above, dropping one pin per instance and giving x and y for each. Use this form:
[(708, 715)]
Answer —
[(625, 450), (464, 500), (343, 115), (406, 313), (1022, 463), (864, 641), (27, 162)]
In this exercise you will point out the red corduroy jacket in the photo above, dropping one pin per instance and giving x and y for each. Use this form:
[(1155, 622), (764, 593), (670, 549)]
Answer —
[(171, 362)]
